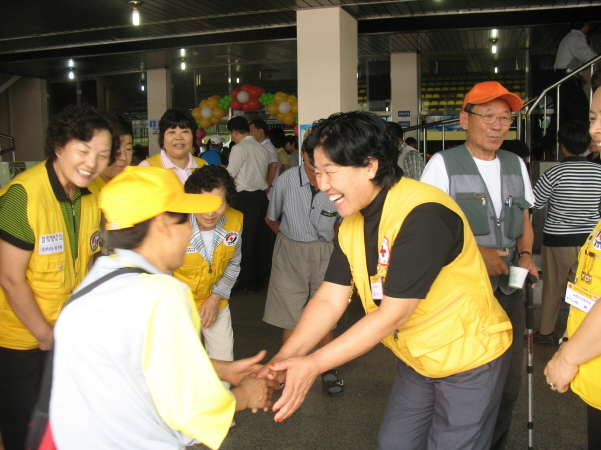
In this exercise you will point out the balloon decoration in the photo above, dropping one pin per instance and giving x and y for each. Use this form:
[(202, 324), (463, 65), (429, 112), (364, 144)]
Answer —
[(284, 108), (209, 112), (246, 98), (200, 134)]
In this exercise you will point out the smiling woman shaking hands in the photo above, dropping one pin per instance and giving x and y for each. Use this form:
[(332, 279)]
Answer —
[(49, 229)]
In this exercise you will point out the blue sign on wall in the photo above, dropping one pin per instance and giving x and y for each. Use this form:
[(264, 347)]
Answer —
[(152, 124), (405, 123), (404, 114)]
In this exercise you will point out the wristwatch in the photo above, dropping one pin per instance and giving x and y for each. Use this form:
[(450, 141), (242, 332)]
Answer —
[(563, 339), (525, 252)]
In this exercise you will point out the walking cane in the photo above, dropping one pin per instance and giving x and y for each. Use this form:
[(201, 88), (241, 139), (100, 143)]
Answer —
[(530, 368)]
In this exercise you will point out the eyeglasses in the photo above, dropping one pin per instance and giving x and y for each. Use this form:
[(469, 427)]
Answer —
[(490, 118)]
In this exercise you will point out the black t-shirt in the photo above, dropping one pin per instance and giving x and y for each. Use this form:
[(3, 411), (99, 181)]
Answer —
[(430, 238)]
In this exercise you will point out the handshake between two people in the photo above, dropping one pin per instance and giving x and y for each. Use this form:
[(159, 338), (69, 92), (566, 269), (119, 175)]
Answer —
[(254, 383)]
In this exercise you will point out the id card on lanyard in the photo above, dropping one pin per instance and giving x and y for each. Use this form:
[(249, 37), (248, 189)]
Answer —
[(580, 298), (377, 281)]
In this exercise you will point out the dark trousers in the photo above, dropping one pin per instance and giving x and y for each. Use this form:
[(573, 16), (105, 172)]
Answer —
[(573, 104), (513, 304), (594, 427), (450, 413), (20, 377), (254, 235)]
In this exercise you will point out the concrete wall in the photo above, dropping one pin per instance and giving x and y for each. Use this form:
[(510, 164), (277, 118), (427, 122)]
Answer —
[(28, 118)]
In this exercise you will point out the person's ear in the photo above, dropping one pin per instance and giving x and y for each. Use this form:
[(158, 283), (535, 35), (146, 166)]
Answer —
[(463, 119), (372, 167)]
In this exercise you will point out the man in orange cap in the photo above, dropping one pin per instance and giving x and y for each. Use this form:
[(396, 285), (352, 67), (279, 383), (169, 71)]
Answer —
[(493, 189)]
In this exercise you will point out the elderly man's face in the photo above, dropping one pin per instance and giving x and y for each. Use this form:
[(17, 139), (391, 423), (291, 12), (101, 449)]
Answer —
[(484, 139)]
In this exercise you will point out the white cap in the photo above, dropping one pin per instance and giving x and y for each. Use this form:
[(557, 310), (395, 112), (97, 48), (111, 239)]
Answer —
[(216, 139)]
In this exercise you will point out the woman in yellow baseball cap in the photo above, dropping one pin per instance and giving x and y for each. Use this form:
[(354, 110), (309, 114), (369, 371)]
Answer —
[(128, 357)]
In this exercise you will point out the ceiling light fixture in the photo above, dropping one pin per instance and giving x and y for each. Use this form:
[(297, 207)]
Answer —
[(496, 70), (494, 48), (183, 65), (182, 52), (135, 16), (71, 75)]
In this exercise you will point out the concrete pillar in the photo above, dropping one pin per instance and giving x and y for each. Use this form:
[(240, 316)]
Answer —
[(158, 88), (404, 76), (327, 63), (28, 118)]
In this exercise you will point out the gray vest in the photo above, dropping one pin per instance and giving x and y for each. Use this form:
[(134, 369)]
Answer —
[(468, 189)]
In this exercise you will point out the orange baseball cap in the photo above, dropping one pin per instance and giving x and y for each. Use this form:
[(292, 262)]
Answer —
[(491, 90), (140, 193)]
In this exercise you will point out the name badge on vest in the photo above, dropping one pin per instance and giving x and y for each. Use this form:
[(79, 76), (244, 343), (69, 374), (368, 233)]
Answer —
[(190, 249), (231, 238), (580, 298), (377, 293), (328, 213), (51, 243), (597, 241)]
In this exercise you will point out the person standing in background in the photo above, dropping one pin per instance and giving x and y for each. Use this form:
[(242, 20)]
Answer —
[(177, 131), (248, 165), (493, 189), (571, 191), (573, 52)]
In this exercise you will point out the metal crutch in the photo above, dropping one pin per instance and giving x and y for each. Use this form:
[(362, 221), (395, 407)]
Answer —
[(530, 368)]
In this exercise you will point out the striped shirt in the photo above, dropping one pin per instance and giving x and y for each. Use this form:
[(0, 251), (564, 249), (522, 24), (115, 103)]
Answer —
[(572, 192), (305, 214), (14, 224), (222, 287)]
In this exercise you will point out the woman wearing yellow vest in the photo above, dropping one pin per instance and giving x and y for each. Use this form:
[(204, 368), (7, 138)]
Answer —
[(49, 224), (122, 128), (578, 361), (409, 251), (177, 132), (212, 261)]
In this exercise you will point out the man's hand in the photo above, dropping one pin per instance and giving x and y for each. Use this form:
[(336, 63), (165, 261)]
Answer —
[(301, 373), (526, 262), (209, 310), (492, 259)]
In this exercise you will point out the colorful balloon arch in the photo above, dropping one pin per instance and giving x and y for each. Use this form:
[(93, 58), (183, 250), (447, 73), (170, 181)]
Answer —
[(246, 98)]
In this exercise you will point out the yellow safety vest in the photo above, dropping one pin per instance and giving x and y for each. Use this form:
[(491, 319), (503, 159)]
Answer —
[(198, 274), (51, 274), (587, 382), (460, 325), (155, 161)]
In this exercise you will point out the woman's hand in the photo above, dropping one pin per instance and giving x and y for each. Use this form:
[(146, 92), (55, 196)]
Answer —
[(559, 372), (300, 374), (209, 310)]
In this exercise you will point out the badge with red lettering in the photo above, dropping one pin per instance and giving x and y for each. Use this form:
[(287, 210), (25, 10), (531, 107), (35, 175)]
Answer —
[(231, 238), (597, 241), (384, 253), (94, 240)]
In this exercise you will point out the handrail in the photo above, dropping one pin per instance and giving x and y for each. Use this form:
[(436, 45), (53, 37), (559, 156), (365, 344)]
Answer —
[(527, 106)]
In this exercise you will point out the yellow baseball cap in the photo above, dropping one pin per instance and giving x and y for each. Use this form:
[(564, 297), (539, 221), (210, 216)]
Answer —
[(140, 193)]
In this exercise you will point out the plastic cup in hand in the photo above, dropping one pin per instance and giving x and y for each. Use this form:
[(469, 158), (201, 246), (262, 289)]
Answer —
[(517, 277)]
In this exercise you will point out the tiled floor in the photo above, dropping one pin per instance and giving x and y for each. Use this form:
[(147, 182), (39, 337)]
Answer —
[(352, 421)]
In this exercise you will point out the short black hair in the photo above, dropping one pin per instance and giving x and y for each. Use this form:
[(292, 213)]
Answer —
[(574, 136), (518, 147), (132, 237), (410, 140), (277, 137), (211, 177), (120, 123), (239, 124), (352, 139), (578, 24), (77, 122), (292, 140), (396, 130), (259, 124), (174, 118)]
